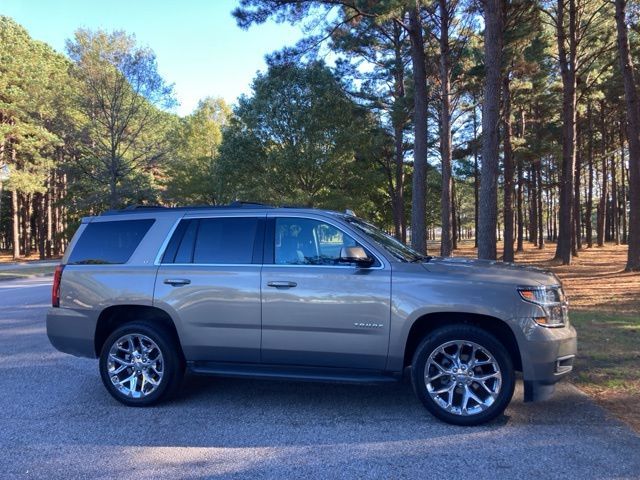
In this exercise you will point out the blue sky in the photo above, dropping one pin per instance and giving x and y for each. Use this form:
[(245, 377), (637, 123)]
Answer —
[(199, 47)]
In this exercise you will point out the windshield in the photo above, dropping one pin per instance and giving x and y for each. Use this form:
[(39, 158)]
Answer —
[(396, 248)]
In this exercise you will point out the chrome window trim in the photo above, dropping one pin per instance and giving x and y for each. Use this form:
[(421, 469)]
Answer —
[(355, 267), (259, 265)]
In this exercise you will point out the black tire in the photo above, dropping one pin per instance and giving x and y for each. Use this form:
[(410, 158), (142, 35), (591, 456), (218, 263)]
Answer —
[(173, 363), (468, 333)]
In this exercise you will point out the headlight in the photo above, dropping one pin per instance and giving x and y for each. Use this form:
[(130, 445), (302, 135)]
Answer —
[(552, 301)]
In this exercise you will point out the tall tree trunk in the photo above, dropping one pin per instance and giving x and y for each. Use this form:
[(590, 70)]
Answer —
[(569, 99), (615, 227), (57, 230), (508, 170), (623, 190), (540, 211), (633, 136), (49, 216), (418, 206), (26, 224), (604, 192), (535, 187), (534, 191), (589, 205), (400, 220), (41, 224), (446, 200), (519, 198), (577, 206), (488, 214), (15, 221), (476, 176), (455, 219)]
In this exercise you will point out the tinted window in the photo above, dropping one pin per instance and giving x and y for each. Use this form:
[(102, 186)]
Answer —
[(302, 241), (109, 242), (185, 250), (214, 240)]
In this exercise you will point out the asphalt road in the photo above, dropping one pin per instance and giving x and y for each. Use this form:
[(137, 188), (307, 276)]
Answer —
[(57, 421)]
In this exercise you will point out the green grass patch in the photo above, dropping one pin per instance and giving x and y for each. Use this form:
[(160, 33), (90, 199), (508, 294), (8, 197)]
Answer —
[(608, 350)]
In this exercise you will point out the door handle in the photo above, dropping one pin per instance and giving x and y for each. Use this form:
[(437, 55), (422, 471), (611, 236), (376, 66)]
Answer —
[(282, 284), (176, 282)]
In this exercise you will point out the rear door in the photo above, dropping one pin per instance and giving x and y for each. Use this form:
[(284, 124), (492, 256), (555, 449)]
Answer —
[(315, 310), (209, 278)]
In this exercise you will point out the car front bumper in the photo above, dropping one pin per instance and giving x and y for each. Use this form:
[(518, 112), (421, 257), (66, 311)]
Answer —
[(547, 357)]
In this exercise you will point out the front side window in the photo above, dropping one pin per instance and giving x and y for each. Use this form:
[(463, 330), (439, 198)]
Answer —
[(221, 241), (303, 241)]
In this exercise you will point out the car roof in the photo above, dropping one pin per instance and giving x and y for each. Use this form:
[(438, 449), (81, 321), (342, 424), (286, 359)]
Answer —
[(235, 207)]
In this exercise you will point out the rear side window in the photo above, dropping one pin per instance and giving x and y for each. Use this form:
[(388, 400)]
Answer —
[(103, 243), (221, 241)]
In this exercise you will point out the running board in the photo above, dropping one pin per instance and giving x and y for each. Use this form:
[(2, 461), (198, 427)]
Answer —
[(291, 372)]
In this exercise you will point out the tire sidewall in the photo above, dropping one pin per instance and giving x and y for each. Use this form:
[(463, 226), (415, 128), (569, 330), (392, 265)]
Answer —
[(472, 334), (170, 359)]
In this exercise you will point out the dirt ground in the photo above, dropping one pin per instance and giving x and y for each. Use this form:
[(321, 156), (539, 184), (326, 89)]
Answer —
[(7, 257)]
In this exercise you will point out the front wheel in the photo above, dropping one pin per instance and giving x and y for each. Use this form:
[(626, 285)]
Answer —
[(463, 375), (140, 364)]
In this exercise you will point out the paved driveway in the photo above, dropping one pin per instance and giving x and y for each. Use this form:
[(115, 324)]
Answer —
[(58, 422)]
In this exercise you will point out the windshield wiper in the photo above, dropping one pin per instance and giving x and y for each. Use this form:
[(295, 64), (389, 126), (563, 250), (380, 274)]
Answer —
[(419, 258)]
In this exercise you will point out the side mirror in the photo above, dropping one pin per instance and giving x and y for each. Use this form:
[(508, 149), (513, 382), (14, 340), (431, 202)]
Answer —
[(355, 255)]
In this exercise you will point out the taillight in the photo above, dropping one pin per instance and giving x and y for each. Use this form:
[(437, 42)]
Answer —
[(55, 290)]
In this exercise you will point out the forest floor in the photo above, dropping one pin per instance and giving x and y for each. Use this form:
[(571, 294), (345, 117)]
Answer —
[(604, 303), (604, 308)]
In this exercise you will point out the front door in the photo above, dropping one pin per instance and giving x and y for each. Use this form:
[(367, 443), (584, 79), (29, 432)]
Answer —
[(317, 311)]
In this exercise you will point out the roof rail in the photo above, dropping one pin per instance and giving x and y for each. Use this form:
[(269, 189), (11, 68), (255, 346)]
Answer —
[(143, 207), (147, 208), (242, 204)]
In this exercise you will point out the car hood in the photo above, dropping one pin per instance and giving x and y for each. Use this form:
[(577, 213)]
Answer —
[(491, 271)]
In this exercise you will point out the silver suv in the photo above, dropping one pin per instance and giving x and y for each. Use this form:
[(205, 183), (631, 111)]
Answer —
[(255, 291)]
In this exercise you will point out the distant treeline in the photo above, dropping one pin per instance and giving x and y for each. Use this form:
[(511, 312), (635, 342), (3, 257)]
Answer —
[(448, 119)]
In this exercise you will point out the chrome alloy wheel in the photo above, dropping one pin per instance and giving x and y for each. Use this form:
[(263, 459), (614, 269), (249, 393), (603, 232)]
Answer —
[(462, 377), (135, 365)]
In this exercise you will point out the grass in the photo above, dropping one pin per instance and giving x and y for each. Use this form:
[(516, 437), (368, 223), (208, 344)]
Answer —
[(608, 362)]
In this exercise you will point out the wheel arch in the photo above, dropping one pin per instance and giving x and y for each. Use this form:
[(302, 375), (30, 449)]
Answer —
[(427, 323), (117, 315)]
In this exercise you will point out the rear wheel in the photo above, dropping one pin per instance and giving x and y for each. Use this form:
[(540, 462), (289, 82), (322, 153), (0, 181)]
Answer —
[(140, 364), (463, 375)]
